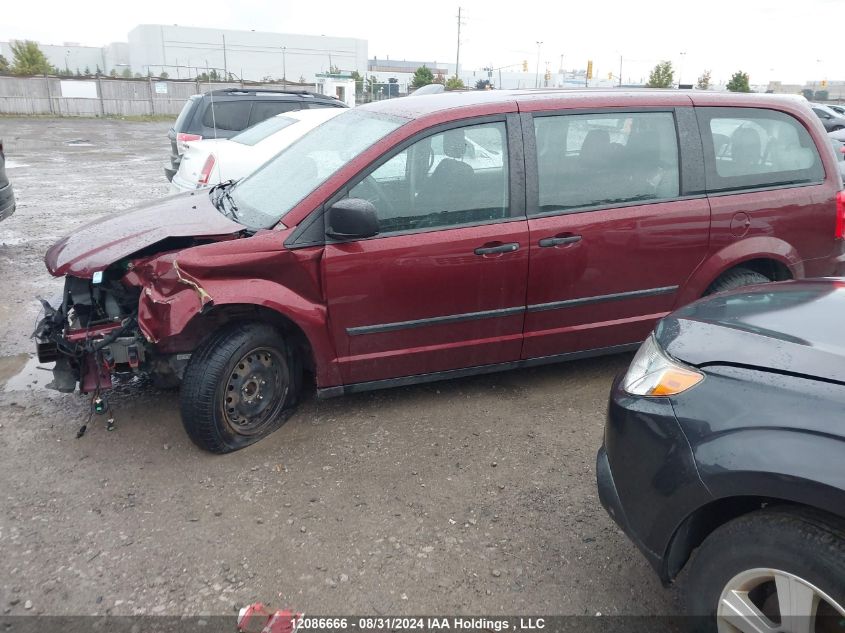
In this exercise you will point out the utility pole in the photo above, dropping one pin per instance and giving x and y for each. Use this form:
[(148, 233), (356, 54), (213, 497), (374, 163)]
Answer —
[(225, 61), (537, 69), (620, 71), (458, 57)]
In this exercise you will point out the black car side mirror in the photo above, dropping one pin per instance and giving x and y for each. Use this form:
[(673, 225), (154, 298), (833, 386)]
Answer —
[(352, 218)]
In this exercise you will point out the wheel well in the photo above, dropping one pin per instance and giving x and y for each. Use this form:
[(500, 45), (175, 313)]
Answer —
[(771, 268), (204, 324), (700, 524)]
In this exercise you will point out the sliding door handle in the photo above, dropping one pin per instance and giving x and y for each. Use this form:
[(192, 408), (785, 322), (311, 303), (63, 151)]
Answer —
[(499, 248), (557, 241)]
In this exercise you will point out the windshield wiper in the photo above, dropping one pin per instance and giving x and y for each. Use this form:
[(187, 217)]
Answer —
[(220, 195)]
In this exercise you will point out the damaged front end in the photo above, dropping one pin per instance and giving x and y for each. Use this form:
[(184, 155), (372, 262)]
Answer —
[(94, 338)]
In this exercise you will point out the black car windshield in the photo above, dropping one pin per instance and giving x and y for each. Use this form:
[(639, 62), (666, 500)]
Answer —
[(264, 197)]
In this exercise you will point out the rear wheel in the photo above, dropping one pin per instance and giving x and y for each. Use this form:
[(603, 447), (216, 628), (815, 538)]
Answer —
[(737, 278), (772, 570), (240, 386)]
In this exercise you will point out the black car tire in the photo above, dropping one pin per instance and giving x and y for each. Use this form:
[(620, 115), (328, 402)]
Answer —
[(802, 543), (737, 278), (211, 376)]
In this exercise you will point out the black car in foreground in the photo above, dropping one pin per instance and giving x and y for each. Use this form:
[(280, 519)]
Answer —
[(724, 452), (7, 194)]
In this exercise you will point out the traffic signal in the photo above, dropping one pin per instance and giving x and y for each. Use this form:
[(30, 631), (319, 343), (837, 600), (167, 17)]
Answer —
[(610, 75), (589, 69), (824, 83), (525, 65)]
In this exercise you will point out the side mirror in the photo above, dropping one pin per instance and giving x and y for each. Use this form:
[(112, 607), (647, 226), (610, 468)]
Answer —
[(352, 218)]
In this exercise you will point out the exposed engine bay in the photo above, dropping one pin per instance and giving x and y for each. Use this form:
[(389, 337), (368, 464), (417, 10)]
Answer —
[(94, 338)]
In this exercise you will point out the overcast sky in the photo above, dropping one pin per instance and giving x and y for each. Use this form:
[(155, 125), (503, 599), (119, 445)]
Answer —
[(770, 39)]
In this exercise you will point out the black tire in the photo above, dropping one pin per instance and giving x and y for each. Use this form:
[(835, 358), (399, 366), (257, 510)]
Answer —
[(211, 378), (802, 543), (737, 278)]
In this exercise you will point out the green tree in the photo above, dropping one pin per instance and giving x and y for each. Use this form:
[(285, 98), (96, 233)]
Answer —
[(126, 73), (4, 66), (821, 95), (164, 74), (113, 73), (98, 72), (359, 82), (28, 59), (87, 72), (661, 76), (704, 81), (482, 84), (454, 83), (422, 77), (739, 82)]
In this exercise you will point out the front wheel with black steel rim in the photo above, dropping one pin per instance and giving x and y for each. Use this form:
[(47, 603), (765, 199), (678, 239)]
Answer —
[(240, 386), (772, 570)]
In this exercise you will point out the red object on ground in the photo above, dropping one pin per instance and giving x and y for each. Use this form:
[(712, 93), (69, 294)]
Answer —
[(257, 615)]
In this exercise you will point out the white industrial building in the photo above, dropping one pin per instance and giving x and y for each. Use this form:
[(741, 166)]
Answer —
[(72, 57), (184, 51)]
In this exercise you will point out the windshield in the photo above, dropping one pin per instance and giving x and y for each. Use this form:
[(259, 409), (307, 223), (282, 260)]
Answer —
[(275, 188), (262, 130)]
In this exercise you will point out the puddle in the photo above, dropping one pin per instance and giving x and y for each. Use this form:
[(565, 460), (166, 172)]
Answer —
[(24, 373), (13, 164)]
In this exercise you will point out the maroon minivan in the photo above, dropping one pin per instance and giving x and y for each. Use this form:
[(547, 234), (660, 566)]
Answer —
[(418, 239)]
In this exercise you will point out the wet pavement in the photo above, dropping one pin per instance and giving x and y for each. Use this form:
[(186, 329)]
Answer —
[(469, 496)]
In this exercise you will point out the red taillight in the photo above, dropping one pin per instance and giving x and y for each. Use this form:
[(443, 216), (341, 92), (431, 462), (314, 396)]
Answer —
[(205, 174), (182, 138), (840, 215)]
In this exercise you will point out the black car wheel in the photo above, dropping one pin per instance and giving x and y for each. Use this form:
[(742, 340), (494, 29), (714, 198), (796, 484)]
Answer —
[(240, 386), (737, 278), (771, 570)]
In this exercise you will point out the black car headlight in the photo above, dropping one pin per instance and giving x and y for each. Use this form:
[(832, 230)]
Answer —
[(653, 373)]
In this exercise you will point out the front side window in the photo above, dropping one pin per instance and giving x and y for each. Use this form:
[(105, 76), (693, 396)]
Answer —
[(264, 197), (458, 176), (262, 110), (589, 160), (749, 147)]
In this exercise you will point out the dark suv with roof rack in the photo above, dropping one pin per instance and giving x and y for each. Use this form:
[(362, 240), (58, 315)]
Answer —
[(224, 113)]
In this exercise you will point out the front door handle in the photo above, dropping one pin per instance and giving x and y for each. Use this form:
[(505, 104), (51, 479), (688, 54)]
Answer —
[(557, 241), (499, 248)]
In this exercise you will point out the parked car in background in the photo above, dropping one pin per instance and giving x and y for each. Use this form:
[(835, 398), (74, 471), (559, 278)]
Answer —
[(412, 240), (725, 436), (7, 194), (839, 109), (838, 135), (839, 151), (832, 120), (212, 161), (224, 113)]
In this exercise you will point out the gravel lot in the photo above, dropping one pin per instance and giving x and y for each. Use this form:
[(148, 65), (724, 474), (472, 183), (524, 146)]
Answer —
[(470, 496)]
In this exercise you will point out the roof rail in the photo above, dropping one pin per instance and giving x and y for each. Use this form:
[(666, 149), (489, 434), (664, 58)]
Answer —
[(223, 91)]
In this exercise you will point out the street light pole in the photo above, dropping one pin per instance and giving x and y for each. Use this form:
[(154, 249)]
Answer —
[(537, 69)]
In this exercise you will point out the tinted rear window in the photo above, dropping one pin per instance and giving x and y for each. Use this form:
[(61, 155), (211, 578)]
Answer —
[(227, 115), (747, 148), (589, 160)]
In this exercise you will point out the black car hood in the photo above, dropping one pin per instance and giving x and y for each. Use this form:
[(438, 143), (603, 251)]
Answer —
[(795, 327)]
